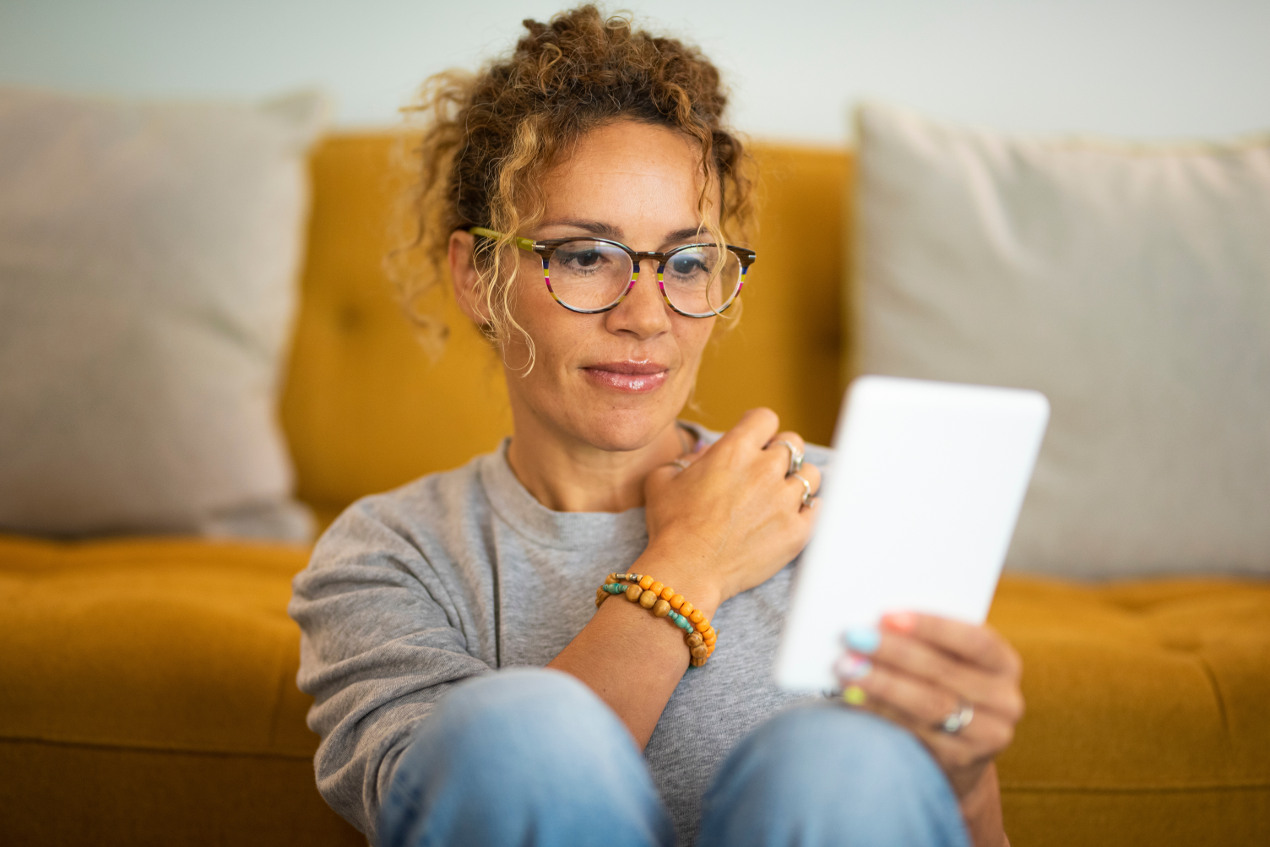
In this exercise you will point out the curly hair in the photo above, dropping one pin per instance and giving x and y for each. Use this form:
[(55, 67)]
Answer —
[(489, 137)]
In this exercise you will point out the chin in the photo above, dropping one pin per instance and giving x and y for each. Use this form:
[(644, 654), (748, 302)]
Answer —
[(623, 431)]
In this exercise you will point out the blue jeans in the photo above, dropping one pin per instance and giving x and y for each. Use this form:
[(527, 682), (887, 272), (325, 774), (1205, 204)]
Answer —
[(533, 757)]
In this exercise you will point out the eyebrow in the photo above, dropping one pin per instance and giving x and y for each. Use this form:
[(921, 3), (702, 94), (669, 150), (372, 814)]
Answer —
[(604, 230)]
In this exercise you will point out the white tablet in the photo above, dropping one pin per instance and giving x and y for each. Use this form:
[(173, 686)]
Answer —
[(917, 512)]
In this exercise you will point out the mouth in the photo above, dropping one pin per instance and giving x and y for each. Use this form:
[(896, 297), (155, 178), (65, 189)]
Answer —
[(628, 376)]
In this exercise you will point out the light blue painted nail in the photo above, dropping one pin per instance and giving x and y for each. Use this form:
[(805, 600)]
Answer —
[(862, 639)]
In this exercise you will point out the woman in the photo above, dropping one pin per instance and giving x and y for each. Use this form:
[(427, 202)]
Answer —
[(467, 688)]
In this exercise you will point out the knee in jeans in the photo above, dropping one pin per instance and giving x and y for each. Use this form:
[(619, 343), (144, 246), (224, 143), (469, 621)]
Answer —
[(532, 711), (828, 775), (526, 721), (830, 755), (518, 756)]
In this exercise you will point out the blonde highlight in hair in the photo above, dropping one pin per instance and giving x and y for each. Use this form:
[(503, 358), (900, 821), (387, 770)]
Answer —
[(490, 137)]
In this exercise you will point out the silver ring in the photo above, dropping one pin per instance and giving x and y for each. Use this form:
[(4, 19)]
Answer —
[(808, 501), (682, 464), (796, 457), (959, 719)]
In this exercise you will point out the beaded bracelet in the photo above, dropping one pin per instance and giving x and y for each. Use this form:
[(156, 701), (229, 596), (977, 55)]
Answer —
[(664, 602)]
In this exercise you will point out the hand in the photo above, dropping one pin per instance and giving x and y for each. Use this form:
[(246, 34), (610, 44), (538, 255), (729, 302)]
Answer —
[(921, 669), (727, 518)]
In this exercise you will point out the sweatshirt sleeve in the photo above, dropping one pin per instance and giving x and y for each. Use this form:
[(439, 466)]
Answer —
[(383, 637)]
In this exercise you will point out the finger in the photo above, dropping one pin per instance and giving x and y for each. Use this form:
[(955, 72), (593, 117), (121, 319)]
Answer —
[(914, 702), (754, 430), (934, 666), (972, 644), (659, 477), (791, 447), (922, 709), (804, 485), (668, 471), (857, 697)]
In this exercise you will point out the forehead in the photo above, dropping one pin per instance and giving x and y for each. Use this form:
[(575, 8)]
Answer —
[(625, 164)]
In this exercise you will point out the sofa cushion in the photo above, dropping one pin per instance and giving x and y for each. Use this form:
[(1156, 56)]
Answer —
[(148, 256), (149, 686), (153, 680), (1145, 710), (1130, 284)]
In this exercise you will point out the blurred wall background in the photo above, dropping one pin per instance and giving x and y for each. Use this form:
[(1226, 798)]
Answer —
[(1150, 69)]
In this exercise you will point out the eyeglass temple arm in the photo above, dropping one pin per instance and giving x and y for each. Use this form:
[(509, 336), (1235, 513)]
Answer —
[(522, 243)]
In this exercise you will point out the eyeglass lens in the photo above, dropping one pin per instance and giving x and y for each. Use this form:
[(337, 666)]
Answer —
[(590, 275)]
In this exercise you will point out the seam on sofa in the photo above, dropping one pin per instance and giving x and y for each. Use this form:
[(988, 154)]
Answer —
[(1215, 684), (170, 750)]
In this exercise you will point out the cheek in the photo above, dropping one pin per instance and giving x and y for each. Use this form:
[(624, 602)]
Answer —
[(696, 336), (530, 306)]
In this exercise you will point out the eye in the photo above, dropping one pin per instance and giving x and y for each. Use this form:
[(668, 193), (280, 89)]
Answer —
[(688, 263), (584, 258), (579, 258)]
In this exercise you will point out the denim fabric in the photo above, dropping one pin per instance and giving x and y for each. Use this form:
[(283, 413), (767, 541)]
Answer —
[(533, 757)]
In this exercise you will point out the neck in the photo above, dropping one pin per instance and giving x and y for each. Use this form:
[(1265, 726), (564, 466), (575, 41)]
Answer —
[(578, 477)]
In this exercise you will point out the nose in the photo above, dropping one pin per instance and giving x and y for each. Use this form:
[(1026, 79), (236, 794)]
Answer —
[(643, 313)]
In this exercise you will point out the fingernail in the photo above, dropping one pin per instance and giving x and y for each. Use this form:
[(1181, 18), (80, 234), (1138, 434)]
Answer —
[(853, 695), (901, 621), (862, 639), (852, 667)]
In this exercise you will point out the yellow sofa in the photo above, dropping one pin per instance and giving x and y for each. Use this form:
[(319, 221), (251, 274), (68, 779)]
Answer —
[(147, 688)]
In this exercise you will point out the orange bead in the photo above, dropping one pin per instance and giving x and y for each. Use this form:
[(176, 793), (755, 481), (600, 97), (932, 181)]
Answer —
[(710, 637), (686, 609), (701, 625), (676, 602), (661, 608), (696, 616), (645, 582), (633, 592), (656, 587), (667, 593)]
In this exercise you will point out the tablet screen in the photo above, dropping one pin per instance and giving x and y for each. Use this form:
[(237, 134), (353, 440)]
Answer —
[(917, 512)]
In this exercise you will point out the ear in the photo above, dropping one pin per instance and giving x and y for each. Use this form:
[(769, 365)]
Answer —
[(464, 276)]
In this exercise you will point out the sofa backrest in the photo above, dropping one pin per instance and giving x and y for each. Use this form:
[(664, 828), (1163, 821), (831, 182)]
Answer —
[(365, 410)]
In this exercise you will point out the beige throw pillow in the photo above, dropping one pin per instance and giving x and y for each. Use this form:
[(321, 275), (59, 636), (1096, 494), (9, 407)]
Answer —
[(149, 254), (1130, 284)]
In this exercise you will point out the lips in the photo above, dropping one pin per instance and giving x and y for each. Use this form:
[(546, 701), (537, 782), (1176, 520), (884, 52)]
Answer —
[(634, 377)]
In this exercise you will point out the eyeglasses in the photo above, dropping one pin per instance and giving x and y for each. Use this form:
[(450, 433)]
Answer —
[(593, 275)]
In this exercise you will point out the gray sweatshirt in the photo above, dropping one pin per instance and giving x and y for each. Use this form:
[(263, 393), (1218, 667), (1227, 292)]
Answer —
[(464, 572)]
